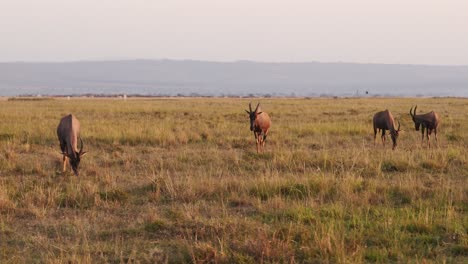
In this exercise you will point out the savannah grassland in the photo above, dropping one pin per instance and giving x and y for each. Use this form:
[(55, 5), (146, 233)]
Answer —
[(178, 180)]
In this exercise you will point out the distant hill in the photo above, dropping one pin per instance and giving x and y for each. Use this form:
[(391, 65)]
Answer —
[(242, 78)]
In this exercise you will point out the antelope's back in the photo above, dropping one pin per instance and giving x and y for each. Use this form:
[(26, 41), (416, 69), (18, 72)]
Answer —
[(436, 119), (377, 116), (431, 117), (263, 121), (383, 120), (68, 130), (377, 119)]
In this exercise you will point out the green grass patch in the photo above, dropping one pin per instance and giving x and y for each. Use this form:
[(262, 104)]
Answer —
[(399, 197), (418, 228), (115, 195), (394, 166)]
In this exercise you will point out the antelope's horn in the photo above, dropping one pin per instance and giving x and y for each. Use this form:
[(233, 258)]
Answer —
[(256, 108), (415, 110), (411, 112), (250, 106)]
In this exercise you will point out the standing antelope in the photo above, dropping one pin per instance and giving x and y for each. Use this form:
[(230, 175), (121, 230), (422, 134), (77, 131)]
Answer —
[(429, 121), (384, 120), (260, 124), (68, 132)]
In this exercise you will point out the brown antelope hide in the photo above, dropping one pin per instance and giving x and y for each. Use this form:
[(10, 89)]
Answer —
[(384, 121), (68, 132), (260, 125), (428, 122)]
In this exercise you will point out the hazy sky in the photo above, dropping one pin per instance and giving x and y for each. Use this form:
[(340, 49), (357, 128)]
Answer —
[(381, 31)]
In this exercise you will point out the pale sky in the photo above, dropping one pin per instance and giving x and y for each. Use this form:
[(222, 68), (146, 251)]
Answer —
[(366, 31)]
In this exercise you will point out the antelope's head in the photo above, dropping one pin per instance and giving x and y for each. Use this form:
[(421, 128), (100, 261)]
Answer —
[(417, 123), (253, 115), (75, 158)]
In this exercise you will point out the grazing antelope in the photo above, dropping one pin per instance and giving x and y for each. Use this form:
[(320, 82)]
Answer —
[(260, 124), (429, 121), (384, 120), (68, 132)]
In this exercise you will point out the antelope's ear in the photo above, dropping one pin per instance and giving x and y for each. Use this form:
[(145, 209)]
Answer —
[(83, 153), (259, 113), (247, 112)]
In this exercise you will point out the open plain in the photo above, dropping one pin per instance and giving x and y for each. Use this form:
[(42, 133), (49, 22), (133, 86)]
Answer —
[(178, 180)]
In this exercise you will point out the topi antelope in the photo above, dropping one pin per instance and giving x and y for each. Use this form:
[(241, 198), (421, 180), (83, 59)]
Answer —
[(68, 132), (429, 121), (384, 120), (260, 124)]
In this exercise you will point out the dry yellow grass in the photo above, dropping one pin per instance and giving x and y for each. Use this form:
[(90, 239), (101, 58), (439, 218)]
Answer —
[(178, 180)]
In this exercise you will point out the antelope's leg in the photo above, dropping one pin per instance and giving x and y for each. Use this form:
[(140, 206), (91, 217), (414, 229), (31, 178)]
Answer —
[(422, 135), (428, 135), (375, 135), (435, 135), (260, 142), (256, 140), (383, 137), (64, 163), (263, 142)]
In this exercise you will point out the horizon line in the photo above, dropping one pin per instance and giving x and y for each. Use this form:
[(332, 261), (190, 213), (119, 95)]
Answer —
[(222, 61)]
